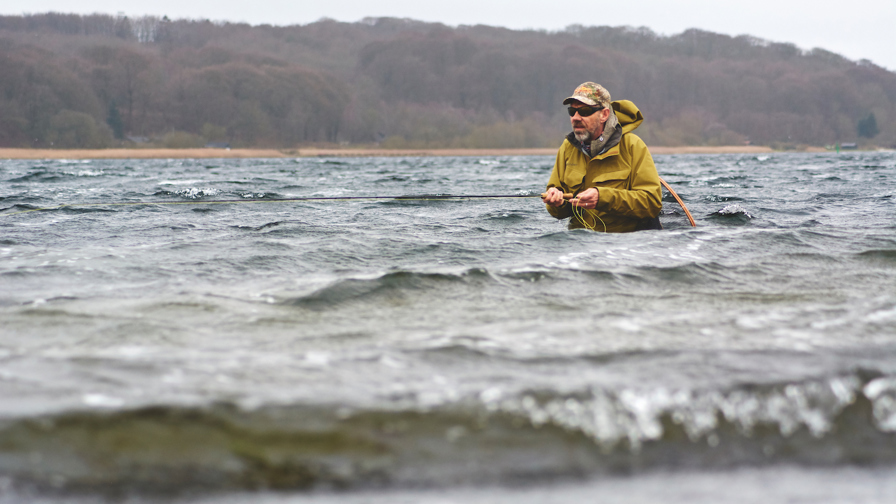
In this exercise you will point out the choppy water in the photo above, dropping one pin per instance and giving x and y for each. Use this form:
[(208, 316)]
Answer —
[(462, 346)]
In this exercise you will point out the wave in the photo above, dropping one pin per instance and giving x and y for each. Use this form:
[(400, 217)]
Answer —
[(194, 193), (400, 286), (487, 438), (673, 218), (391, 285), (729, 181), (732, 214), (510, 216), (20, 207), (408, 286), (715, 198), (886, 256), (42, 174), (262, 227), (39, 176)]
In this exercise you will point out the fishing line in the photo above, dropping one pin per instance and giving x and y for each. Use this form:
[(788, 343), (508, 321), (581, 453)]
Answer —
[(580, 214), (421, 197)]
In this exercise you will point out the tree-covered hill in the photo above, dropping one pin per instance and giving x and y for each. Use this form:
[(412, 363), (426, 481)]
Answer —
[(94, 81)]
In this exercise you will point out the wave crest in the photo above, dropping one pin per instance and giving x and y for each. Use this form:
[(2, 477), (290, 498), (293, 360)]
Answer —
[(486, 438)]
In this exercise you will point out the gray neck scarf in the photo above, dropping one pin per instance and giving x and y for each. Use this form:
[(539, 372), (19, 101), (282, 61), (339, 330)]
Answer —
[(609, 137)]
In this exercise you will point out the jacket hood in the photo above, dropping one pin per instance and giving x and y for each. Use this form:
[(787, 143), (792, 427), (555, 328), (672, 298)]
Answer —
[(628, 114), (625, 118)]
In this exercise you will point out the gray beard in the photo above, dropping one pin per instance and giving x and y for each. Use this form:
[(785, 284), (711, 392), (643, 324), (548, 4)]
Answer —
[(583, 136)]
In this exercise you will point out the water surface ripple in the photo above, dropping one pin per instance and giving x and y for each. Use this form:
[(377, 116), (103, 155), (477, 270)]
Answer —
[(399, 343)]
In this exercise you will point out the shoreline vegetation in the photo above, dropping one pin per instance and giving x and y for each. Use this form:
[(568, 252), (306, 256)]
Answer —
[(405, 87), (203, 153)]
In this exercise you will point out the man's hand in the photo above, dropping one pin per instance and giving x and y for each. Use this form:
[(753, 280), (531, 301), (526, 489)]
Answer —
[(553, 197), (587, 198)]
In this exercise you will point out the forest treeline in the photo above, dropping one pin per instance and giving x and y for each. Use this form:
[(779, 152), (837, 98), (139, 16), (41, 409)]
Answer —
[(96, 81)]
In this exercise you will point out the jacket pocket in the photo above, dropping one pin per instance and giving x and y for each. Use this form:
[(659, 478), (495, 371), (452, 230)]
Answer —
[(613, 177), (574, 176)]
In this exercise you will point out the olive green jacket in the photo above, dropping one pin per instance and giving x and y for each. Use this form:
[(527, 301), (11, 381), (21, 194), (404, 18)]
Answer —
[(623, 173)]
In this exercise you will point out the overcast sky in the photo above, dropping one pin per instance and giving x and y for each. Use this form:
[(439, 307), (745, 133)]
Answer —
[(857, 29)]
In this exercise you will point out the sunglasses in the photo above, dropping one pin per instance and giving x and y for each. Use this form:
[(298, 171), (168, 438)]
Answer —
[(583, 111)]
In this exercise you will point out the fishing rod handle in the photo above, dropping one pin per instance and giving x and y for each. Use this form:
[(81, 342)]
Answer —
[(566, 196)]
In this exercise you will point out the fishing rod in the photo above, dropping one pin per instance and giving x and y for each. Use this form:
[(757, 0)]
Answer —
[(421, 197)]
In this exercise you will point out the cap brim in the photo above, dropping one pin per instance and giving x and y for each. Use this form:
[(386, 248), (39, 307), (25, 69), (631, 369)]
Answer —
[(580, 99)]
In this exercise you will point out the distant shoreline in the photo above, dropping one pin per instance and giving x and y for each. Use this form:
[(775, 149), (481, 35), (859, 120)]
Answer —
[(345, 152)]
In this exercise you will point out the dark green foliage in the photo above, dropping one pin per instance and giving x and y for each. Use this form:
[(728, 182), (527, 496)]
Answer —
[(113, 119), (70, 129), (415, 84), (867, 126)]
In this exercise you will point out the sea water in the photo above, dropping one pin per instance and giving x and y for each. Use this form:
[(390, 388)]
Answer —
[(158, 346)]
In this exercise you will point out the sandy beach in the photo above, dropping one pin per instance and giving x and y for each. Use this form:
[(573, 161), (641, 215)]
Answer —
[(6, 153)]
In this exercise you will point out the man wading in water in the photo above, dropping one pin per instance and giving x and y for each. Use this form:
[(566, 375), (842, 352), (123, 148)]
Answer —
[(606, 166)]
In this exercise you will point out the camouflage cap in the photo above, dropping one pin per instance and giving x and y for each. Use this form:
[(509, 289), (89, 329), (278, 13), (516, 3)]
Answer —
[(590, 93)]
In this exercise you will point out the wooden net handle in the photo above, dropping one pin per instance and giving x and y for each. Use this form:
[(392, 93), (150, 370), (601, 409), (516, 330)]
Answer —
[(681, 203)]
